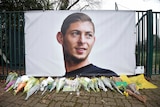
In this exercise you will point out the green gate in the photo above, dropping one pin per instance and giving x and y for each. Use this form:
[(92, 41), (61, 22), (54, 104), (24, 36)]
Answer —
[(12, 46), (11, 42), (148, 41)]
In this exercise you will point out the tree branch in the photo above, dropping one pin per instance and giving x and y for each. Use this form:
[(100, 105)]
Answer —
[(72, 4)]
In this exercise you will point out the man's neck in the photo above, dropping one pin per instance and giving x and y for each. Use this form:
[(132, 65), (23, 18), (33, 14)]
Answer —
[(70, 66)]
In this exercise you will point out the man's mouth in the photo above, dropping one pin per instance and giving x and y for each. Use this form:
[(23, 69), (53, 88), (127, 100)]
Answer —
[(81, 50)]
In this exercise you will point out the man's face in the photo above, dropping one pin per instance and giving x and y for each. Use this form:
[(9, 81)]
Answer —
[(78, 40)]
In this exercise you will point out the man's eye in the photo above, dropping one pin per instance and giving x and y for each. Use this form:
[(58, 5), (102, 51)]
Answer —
[(75, 33), (89, 35)]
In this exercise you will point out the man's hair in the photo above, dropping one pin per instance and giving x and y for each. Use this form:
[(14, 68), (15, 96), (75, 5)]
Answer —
[(74, 17)]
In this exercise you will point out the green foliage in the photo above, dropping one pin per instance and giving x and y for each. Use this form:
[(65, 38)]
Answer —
[(64, 4), (23, 5)]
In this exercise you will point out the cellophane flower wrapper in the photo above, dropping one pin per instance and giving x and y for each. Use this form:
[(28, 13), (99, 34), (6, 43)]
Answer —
[(71, 85)]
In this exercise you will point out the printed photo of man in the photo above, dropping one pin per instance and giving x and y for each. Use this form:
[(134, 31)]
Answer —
[(77, 37)]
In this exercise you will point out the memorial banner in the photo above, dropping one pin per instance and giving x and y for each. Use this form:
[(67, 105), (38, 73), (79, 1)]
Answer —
[(114, 46)]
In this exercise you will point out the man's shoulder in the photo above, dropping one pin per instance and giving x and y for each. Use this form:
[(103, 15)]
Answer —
[(91, 70), (98, 71)]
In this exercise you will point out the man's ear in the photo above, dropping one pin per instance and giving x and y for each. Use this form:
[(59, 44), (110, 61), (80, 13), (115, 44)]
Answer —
[(94, 39), (60, 37)]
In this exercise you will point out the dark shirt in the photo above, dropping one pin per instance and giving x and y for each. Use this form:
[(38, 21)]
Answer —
[(90, 70)]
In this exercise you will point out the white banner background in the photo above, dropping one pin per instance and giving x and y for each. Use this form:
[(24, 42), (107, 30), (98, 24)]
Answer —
[(114, 48)]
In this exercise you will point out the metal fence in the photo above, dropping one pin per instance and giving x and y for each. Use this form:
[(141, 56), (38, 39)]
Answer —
[(12, 46), (148, 41), (11, 42)]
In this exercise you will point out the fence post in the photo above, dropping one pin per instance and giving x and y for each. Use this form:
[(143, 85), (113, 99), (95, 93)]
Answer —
[(149, 57)]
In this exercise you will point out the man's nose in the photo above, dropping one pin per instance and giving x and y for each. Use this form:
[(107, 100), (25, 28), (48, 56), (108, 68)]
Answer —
[(82, 38)]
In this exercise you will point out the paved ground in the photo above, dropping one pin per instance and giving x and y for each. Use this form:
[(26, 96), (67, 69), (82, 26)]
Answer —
[(86, 99)]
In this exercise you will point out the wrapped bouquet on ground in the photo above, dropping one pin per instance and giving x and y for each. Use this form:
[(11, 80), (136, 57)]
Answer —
[(123, 85)]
